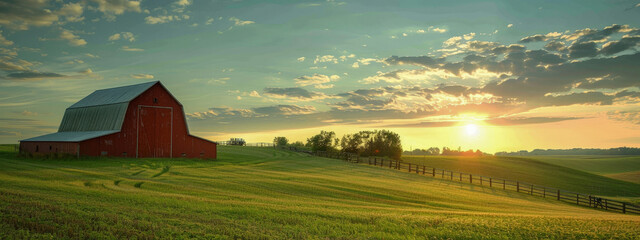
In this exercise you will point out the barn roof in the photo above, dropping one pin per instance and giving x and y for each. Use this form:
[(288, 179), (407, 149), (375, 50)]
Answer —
[(102, 110), (69, 136), (115, 95)]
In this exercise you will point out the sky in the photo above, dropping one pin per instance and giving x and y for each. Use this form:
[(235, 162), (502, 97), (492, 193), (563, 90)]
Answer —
[(488, 75)]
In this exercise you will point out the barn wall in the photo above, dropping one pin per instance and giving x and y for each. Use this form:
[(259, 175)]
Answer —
[(124, 143), (49, 147)]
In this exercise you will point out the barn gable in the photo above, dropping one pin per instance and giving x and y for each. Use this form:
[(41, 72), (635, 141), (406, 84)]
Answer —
[(102, 110)]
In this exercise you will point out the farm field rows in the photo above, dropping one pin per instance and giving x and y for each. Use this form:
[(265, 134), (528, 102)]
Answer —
[(266, 193)]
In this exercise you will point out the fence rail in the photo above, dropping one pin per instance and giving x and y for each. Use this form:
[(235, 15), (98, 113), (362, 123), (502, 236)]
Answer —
[(580, 199)]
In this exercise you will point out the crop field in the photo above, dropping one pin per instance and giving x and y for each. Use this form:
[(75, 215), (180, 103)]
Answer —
[(258, 193)]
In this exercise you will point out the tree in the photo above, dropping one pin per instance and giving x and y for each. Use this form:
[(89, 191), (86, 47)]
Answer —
[(324, 141), (351, 143), (280, 141), (297, 144), (382, 143)]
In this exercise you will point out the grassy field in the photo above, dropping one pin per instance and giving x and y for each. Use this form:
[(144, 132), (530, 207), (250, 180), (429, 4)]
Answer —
[(626, 168), (259, 193), (537, 172)]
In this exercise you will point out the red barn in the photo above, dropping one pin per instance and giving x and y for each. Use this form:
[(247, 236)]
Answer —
[(142, 120)]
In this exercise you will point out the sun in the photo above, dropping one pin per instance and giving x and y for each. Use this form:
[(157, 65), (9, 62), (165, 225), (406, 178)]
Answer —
[(471, 129)]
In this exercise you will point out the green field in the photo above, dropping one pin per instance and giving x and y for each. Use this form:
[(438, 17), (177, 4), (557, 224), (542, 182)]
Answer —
[(626, 168), (535, 171), (259, 193)]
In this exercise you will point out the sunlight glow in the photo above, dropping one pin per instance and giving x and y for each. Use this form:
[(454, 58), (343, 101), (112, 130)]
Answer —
[(471, 129)]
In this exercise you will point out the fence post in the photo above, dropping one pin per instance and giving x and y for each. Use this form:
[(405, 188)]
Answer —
[(442, 173), (517, 186), (434, 172), (423, 168), (606, 205), (451, 175), (369, 161), (480, 180), (418, 169), (558, 194), (589, 200), (624, 208), (460, 177), (544, 192), (490, 182), (578, 199), (390, 162), (470, 178), (381, 162), (504, 184), (531, 189), (409, 167)]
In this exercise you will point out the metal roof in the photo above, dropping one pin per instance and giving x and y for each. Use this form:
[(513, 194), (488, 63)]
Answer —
[(69, 136), (95, 118), (113, 95)]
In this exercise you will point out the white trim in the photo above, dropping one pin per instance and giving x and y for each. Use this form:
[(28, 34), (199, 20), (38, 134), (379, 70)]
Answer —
[(138, 128)]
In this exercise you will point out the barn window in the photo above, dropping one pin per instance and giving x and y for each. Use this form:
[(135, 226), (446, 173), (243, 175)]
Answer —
[(124, 154), (184, 154), (201, 154), (37, 148), (50, 147), (104, 153), (155, 100)]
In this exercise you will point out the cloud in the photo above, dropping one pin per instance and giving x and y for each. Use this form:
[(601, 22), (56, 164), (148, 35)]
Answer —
[(301, 59), (285, 110), (28, 113), (128, 36), (22, 14), (238, 22), (509, 25), (325, 58), (294, 93), (435, 29), (183, 2), (221, 112), (129, 49), (626, 116), (32, 75), (162, 19), (72, 12), (626, 43), (117, 7), (142, 76), (209, 21), (317, 80), (9, 63), (73, 39)]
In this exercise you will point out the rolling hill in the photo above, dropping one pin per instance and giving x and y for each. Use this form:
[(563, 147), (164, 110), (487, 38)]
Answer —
[(534, 171), (266, 193)]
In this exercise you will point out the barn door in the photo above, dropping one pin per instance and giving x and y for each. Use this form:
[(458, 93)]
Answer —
[(155, 127)]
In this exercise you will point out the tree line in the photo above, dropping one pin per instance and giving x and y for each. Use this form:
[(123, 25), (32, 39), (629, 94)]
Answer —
[(574, 151), (445, 152), (364, 143)]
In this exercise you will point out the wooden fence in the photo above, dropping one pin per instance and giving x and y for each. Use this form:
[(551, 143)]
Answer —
[(580, 199)]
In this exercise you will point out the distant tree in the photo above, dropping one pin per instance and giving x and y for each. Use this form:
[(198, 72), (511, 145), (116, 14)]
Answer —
[(280, 141), (433, 151), (324, 141), (297, 144)]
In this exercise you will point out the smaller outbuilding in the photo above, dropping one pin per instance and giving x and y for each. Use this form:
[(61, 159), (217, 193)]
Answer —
[(142, 121)]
